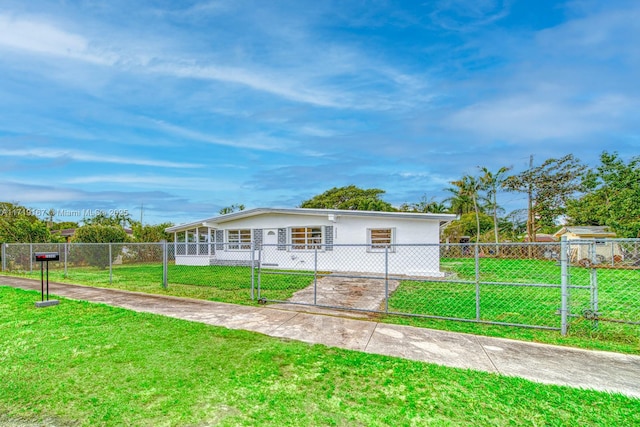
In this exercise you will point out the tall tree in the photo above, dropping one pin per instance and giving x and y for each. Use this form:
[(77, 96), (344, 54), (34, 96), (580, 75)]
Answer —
[(469, 187), (612, 197), (467, 225), (491, 182), (514, 225), (349, 198), (98, 255), (460, 202), (549, 187), (117, 219), (231, 209), (151, 233), (425, 206), (19, 225)]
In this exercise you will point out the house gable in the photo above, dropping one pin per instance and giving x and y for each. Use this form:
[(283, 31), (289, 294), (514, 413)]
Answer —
[(585, 232)]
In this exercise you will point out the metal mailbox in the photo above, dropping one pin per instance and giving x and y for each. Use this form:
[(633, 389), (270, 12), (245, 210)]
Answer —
[(46, 256)]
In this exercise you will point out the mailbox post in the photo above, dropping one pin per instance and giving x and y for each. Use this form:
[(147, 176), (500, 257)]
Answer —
[(42, 258)]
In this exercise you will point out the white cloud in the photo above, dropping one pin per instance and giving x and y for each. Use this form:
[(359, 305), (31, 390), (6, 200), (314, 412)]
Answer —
[(260, 80), (317, 131), (466, 15), (572, 82), (526, 118), (39, 194), (299, 77), (258, 142), (611, 33), (93, 158), (43, 38), (153, 181)]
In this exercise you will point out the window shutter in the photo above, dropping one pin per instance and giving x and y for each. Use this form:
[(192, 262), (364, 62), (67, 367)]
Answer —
[(328, 238), (219, 240), (282, 239), (257, 238)]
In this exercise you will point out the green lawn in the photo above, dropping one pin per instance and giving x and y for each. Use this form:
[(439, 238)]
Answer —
[(88, 364), (523, 305), (619, 295), (216, 283)]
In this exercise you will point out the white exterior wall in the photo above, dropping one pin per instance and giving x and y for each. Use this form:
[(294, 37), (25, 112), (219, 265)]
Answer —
[(581, 249), (420, 259)]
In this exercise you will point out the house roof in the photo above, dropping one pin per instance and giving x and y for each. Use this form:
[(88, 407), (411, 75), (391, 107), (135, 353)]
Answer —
[(65, 232), (586, 231), (541, 237), (221, 219)]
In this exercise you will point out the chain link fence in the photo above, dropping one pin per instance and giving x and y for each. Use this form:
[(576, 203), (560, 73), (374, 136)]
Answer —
[(576, 283)]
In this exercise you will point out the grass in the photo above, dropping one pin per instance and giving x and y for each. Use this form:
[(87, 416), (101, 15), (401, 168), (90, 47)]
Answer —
[(88, 364), (230, 284), (619, 295)]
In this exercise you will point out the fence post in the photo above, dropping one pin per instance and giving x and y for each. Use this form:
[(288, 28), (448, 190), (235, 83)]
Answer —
[(165, 264), (613, 253), (66, 250), (315, 276), (477, 267), (253, 269), (593, 279), (564, 285), (4, 256), (259, 271), (386, 279), (30, 257), (110, 267)]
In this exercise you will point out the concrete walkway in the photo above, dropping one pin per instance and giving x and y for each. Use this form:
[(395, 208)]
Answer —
[(548, 364)]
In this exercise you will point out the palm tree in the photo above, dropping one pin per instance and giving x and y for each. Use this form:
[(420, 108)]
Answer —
[(491, 182), (425, 205), (459, 202), (467, 190), (438, 207)]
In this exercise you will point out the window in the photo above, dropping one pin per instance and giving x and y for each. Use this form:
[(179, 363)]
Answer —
[(239, 239), (306, 237), (380, 238)]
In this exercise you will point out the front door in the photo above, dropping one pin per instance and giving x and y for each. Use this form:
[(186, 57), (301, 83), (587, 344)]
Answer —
[(270, 236)]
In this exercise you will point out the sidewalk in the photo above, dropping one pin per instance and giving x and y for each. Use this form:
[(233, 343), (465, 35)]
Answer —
[(543, 363)]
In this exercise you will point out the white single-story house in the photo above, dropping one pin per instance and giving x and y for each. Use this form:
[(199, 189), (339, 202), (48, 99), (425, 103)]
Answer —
[(591, 242), (323, 239)]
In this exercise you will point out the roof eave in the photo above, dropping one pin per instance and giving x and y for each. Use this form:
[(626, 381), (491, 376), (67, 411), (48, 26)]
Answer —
[(214, 221)]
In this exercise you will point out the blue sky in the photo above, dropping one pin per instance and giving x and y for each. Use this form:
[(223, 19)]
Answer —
[(186, 107)]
